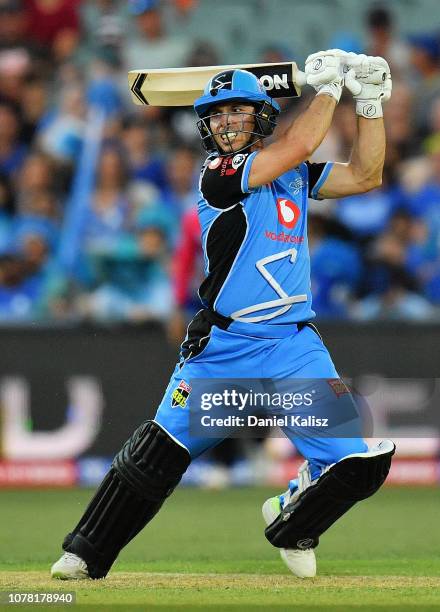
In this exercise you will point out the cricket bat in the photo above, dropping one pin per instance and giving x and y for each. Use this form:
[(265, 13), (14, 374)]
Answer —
[(181, 86)]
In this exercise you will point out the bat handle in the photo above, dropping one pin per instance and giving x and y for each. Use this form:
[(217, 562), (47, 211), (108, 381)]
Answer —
[(301, 78)]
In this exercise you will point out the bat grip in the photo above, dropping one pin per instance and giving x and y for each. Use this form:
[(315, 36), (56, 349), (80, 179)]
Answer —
[(301, 78)]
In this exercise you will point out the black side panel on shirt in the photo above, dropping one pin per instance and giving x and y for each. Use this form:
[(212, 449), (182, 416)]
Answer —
[(225, 238), (221, 180), (199, 332), (315, 171)]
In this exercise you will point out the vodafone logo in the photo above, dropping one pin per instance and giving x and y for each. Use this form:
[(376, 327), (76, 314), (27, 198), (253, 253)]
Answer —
[(288, 212), (215, 163)]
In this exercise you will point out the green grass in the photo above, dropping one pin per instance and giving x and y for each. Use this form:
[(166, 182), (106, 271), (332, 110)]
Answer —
[(207, 549)]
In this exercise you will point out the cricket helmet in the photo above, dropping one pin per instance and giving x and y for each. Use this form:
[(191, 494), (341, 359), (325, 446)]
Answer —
[(235, 86)]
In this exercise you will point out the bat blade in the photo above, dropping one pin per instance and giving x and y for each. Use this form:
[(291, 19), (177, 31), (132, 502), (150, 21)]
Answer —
[(181, 86)]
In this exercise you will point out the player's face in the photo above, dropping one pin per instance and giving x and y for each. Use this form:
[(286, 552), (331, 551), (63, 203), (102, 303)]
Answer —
[(231, 125)]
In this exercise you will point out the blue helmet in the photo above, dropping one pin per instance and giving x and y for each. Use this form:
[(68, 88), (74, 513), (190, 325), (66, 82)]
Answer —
[(236, 85)]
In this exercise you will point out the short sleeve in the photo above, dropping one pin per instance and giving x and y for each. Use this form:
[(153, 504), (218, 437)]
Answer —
[(318, 174), (224, 180)]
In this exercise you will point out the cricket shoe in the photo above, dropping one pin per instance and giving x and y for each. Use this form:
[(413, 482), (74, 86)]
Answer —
[(301, 562), (70, 567)]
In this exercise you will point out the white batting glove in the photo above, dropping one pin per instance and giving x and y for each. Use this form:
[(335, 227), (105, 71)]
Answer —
[(323, 71), (368, 78)]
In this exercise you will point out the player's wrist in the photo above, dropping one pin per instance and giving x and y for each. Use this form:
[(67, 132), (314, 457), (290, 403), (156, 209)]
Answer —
[(369, 109), (333, 90)]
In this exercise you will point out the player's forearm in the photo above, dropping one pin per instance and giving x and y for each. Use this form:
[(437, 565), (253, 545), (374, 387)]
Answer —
[(368, 153), (310, 128)]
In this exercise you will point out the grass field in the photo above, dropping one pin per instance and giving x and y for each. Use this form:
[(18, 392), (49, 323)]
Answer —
[(206, 550)]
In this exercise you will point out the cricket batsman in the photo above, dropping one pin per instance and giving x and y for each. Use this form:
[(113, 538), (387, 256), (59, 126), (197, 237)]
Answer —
[(256, 311)]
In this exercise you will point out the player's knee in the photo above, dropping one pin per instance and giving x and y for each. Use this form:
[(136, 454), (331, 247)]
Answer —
[(151, 463), (341, 447)]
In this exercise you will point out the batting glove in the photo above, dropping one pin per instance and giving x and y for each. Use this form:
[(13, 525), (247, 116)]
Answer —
[(323, 71), (368, 78)]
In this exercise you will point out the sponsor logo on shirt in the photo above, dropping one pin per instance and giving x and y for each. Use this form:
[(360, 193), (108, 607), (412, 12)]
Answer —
[(339, 387), (288, 212), (296, 185), (215, 163), (230, 165), (282, 237)]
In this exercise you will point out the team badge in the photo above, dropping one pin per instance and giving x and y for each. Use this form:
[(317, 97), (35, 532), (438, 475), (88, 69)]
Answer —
[(221, 81), (180, 395), (237, 160)]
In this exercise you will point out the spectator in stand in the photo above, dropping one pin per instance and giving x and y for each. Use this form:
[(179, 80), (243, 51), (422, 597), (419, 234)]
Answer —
[(14, 298), (131, 273), (184, 8), (392, 284), (336, 269), (31, 283), (7, 209), (105, 26), (34, 102), (15, 68), (54, 26), (427, 199), (36, 187), (398, 124), (62, 136), (12, 150), (367, 214), (13, 27), (182, 190), (385, 252), (425, 57), (397, 300), (37, 241), (109, 208), (382, 41), (102, 91), (203, 53), (423, 257), (144, 165), (152, 45), (186, 274)]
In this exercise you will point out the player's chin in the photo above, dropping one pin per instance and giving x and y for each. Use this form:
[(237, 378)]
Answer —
[(229, 148), (225, 148)]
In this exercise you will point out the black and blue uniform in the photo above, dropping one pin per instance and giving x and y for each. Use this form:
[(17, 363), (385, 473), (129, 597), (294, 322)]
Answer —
[(256, 296)]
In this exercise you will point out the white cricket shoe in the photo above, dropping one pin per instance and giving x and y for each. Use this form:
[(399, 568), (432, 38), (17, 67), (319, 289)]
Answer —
[(70, 567), (301, 562)]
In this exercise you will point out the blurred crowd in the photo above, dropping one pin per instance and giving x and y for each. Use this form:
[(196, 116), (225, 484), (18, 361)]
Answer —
[(114, 236)]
